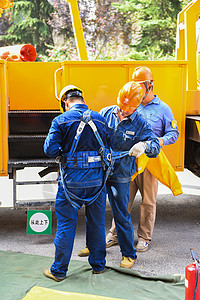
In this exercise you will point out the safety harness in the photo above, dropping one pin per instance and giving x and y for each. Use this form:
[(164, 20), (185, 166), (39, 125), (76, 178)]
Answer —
[(147, 89), (87, 159)]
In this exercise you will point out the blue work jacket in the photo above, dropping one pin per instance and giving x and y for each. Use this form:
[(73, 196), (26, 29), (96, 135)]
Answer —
[(60, 139), (159, 115), (125, 134)]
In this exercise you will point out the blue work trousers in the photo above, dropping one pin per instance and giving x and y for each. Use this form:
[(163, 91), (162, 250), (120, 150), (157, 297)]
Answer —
[(66, 226), (118, 194)]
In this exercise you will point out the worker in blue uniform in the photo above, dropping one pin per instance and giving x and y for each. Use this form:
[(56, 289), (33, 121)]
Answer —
[(160, 117), (78, 137), (129, 131)]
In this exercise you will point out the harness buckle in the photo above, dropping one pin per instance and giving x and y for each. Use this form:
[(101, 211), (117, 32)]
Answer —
[(100, 150), (109, 156), (58, 159), (75, 162)]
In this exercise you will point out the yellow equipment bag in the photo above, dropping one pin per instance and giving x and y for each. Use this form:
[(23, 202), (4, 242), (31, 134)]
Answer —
[(161, 169)]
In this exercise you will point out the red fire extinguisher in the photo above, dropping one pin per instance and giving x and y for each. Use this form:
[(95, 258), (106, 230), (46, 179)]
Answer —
[(192, 279)]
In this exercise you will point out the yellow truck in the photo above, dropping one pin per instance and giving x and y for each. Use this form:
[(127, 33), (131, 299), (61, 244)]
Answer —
[(29, 93)]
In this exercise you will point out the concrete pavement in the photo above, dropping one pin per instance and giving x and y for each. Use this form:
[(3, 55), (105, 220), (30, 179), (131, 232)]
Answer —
[(177, 229)]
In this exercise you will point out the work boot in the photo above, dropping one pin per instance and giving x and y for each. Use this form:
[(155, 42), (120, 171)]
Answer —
[(83, 252), (111, 239), (97, 272), (47, 273), (127, 262), (111, 243), (142, 246)]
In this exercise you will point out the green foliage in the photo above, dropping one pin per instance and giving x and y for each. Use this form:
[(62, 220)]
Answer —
[(149, 54), (113, 29), (154, 26), (29, 24), (62, 53), (4, 24)]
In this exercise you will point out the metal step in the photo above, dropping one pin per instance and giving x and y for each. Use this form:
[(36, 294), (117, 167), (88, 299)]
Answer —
[(27, 133), (33, 122), (26, 146)]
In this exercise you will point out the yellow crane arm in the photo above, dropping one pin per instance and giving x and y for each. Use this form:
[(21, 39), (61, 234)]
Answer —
[(78, 29)]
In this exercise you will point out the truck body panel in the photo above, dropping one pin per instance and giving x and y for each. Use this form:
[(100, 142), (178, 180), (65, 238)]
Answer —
[(29, 96)]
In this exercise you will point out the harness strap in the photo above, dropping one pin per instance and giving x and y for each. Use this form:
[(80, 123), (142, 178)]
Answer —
[(115, 155), (69, 195), (147, 89), (107, 157), (96, 133), (83, 159), (79, 130)]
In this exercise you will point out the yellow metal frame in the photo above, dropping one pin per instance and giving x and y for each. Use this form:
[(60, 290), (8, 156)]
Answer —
[(186, 50), (3, 120), (186, 41), (78, 29)]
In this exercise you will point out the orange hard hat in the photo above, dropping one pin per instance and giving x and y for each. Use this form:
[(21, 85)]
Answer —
[(142, 74), (130, 96)]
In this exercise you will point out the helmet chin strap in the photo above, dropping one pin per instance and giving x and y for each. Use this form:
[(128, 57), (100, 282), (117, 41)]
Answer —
[(63, 105), (147, 89)]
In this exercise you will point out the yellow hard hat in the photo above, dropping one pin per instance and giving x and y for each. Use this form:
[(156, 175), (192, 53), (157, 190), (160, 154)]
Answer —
[(65, 93), (130, 96), (142, 74)]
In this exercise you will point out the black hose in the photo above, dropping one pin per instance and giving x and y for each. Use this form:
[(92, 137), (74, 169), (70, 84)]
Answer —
[(197, 279)]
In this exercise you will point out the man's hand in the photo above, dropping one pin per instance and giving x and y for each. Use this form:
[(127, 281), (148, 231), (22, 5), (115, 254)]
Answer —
[(138, 149), (161, 141)]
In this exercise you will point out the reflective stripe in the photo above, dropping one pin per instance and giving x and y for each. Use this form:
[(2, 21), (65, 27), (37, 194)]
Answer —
[(94, 158), (80, 129), (92, 125), (82, 160), (90, 159)]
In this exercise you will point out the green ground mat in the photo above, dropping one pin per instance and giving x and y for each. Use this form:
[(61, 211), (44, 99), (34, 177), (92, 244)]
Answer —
[(19, 273)]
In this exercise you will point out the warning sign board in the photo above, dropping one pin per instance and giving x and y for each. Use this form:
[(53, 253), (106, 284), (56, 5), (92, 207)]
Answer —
[(39, 221)]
